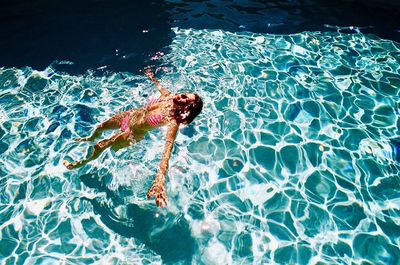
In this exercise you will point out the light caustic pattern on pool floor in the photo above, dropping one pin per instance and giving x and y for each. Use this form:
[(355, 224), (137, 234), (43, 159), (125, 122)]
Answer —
[(293, 159)]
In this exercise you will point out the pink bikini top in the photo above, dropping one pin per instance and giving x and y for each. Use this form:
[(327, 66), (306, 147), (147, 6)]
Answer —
[(155, 119), (152, 120)]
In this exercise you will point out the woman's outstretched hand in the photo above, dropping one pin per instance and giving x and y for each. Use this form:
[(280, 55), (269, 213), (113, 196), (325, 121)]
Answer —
[(149, 73), (157, 190)]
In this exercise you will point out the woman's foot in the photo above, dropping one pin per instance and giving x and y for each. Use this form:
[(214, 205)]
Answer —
[(87, 139), (71, 165)]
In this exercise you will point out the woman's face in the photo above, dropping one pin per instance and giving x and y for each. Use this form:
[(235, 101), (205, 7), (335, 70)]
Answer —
[(184, 99)]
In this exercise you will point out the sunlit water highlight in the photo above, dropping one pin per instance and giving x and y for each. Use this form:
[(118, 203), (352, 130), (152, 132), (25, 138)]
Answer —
[(293, 160)]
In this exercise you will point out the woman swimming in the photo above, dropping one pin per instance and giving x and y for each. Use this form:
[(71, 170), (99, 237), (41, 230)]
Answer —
[(167, 110)]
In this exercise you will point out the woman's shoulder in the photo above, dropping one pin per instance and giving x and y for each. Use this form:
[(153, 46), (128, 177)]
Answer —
[(167, 96)]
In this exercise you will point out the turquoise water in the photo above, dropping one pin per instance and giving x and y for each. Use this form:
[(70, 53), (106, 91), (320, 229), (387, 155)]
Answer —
[(292, 161)]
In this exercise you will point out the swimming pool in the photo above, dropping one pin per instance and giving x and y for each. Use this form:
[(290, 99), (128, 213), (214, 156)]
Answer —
[(293, 159)]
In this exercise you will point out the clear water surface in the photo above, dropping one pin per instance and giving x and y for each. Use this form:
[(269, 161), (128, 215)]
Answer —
[(294, 160)]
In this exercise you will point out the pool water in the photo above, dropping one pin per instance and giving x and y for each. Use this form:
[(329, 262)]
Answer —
[(294, 159)]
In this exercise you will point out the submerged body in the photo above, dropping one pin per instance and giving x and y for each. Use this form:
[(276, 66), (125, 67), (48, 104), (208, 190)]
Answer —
[(167, 110), (137, 122)]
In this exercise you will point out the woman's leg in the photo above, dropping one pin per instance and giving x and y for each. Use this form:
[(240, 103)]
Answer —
[(121, 140), (112, 123)]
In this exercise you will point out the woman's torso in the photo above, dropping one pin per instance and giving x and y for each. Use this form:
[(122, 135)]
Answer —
[(154, 114)]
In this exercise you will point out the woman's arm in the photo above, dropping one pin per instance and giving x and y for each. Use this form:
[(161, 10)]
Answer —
[(163, 90), (158, 188)]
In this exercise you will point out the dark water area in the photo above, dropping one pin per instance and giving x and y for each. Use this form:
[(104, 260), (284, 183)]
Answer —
[(122, 35)]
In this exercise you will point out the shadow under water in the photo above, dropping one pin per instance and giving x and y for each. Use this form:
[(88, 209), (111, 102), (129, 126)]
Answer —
[(166, 234)]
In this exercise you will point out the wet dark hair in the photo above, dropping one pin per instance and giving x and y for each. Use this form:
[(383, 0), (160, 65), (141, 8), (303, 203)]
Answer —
[(186, 113)]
